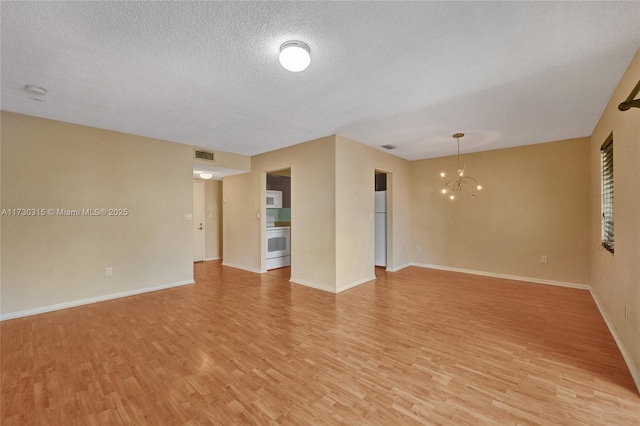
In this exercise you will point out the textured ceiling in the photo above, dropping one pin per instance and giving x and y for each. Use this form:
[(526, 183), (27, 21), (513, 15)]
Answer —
[(403, 73)]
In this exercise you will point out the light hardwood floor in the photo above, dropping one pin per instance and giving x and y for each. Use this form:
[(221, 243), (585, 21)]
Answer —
[(414, 347)]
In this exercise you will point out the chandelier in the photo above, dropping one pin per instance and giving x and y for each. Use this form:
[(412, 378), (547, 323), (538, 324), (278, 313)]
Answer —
[(458, 184)]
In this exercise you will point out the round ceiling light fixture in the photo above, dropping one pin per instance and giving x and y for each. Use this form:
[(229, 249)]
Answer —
[(295, 56), (206, 175)]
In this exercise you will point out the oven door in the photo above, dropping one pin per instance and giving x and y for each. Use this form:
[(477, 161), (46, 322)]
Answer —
[(278, 243)]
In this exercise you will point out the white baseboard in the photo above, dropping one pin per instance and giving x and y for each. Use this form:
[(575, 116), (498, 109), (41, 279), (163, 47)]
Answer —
[(397, 268), (633, 368), (312, 285), (505, 276), (355, 284), (212, 258), (244, 268), (89, 300), (331, 289)]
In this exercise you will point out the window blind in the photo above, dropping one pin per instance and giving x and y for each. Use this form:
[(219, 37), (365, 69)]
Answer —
[(606, 156)]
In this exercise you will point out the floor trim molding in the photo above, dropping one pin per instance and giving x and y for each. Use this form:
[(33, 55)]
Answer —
[(244, 268), (399, 267), (89, 300), (505, 276), (312, 285), (633, 368), (208, 259), (355, 284)]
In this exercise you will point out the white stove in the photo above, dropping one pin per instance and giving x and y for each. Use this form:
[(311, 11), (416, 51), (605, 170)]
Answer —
[(278, 246)]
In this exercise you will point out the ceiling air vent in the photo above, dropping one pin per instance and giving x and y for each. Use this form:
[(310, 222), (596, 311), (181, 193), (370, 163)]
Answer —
[(204, 155), (389, 146)]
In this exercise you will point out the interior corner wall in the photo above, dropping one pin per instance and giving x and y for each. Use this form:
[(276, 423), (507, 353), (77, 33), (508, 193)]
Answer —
[(615, 278), (213, 219), (355, 237), (313, 212), (534, 202), (243, 208), (56, 259)]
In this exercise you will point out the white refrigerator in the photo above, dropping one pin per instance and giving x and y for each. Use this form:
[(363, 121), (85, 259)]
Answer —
[(380, 213)]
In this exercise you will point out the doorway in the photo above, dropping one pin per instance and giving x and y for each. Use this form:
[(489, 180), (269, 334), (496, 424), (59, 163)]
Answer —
[(380, 218), (198, 221), (278, 250)]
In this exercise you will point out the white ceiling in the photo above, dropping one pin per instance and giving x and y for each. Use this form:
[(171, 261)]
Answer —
[(404, 73)]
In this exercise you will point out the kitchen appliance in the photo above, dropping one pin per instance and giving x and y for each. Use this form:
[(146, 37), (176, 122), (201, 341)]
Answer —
[(271, 221), (278, 246), (274, 199), (380, 228)]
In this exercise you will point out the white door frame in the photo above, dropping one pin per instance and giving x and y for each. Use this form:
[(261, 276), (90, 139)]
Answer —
[(199, 219)]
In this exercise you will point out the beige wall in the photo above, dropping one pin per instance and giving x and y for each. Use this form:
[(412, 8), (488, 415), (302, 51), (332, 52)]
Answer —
[(355, 167), (50, 260), (313, 213), (243, 226), (616, 277), (213, 219), (331, 211), (535, 202)]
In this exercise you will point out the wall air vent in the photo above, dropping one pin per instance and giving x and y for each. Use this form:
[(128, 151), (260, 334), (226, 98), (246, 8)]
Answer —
[(389, 146), (204, 155)]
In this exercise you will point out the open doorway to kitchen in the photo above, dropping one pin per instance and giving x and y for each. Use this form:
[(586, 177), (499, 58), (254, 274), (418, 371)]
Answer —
[(380, 220), (278, 223)]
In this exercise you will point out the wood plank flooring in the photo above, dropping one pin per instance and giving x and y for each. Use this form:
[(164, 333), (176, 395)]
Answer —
[(416, 346)]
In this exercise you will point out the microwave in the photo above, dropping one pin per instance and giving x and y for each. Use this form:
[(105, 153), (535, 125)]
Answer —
[(274, 199)]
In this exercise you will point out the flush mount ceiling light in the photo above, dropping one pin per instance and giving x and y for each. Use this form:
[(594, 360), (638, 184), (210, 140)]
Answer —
[(454, 185), (295, 56), (206, 175)]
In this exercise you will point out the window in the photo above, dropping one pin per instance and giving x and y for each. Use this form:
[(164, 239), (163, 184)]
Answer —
[(606, 160)]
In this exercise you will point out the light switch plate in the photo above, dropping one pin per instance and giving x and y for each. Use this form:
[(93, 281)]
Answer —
[(188, 216)]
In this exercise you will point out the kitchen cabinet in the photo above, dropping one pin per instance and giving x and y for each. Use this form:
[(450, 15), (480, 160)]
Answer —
[(280, 183), (380, 181)]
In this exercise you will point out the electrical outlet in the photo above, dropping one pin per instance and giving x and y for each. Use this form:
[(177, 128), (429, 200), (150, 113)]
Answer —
[(419, 249), (108, 272), (544, 259), (626, 312)]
